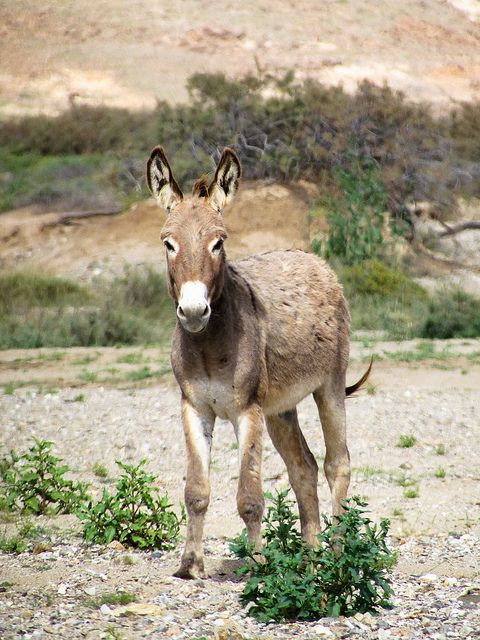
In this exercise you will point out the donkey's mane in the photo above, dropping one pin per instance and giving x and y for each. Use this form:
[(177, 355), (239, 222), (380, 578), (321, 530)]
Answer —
[(200, 188)]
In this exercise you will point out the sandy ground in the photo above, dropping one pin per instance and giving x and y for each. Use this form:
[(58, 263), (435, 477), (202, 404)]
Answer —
[(130, 54)]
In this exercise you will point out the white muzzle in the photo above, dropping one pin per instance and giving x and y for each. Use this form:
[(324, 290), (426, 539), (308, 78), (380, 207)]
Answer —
[(193, 309)]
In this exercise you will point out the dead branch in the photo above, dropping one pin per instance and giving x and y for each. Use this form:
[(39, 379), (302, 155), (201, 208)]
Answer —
[(70, 217), (450, 230)]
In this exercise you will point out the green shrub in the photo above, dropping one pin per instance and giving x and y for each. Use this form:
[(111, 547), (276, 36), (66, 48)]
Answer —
[(382, 298), (135, 514), (356, 213), (452, 314), (289, 580), (34, 482), (406, 441)]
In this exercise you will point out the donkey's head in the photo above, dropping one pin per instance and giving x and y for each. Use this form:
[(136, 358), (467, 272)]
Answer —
[(193, 235)]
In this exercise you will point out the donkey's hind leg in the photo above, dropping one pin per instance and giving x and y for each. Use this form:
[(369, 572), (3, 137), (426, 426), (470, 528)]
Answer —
[(330, 401), (302, 469)]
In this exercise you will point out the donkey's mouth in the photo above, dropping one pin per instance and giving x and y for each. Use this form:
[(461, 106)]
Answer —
[(195, 327)]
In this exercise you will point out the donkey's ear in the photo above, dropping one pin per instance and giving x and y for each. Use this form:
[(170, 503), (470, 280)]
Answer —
[(161, 182), (225, 182)]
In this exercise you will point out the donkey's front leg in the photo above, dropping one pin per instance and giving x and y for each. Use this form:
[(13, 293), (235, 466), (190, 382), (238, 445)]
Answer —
[(198, 431), (250, 501)]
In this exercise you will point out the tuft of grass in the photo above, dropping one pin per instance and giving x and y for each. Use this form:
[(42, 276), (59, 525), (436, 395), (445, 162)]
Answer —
[(402, 480), (88, 376), (440, 449), (100, 470), (411, 492), (440, 472), (132, 358), (79, 398), (371, 389), (110, 598), (406, 441)]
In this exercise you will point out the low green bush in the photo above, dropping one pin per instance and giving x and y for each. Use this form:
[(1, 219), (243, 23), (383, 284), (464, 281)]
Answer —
[(34, 483), (452, 314), (288, 580), (384, 299), (135, 515)]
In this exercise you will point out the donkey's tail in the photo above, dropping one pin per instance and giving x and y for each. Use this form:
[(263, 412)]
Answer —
[(354, 387)]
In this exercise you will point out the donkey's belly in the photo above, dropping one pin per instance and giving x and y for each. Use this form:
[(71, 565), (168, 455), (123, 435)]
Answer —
[(279, 400)]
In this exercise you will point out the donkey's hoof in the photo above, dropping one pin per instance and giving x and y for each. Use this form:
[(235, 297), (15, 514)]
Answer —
[(190, 569)]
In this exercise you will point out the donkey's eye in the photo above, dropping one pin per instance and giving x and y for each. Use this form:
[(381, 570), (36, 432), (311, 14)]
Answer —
[(169, 246), (217, 246)]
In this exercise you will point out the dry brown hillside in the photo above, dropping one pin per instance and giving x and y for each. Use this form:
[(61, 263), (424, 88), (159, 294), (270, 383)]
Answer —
[(131, 53)]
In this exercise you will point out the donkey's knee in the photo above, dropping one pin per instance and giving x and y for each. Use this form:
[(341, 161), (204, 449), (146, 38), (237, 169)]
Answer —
[(197, 500)]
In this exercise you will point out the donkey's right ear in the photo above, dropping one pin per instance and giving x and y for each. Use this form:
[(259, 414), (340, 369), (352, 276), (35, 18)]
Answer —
[(161, 182)]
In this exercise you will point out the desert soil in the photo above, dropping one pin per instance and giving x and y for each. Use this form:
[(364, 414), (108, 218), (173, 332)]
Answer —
[(129, 54), (437, 580)]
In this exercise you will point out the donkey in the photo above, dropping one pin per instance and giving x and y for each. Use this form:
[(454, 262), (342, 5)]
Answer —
[(252, 339)]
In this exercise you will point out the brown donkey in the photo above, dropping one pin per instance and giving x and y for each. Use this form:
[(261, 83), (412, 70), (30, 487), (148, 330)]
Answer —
[(252, 339)]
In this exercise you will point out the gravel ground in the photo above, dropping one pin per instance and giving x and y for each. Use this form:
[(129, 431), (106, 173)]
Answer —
[(44, 592)]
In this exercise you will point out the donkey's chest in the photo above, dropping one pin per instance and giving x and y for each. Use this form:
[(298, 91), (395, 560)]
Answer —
[(215, 394)]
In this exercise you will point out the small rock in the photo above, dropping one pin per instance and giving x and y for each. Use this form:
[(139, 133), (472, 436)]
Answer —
[(429, 578), (41, 547), (116, 545), (62, 589), (228, 631), (139, 609), (105, 610), (323, 631), (90, 591)]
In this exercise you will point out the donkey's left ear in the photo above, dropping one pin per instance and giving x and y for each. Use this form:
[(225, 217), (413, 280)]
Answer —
[(161, 182), (225, 183)]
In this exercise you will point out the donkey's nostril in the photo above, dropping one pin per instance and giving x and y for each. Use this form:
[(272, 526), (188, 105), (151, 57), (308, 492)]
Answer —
[(180, 312), (206, 311)]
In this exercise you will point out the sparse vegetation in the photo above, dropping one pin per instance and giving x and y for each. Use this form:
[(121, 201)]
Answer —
[(113, 598), (289, 580), (49, 311), (440, 473), (440, 449), (411, 492), (301, 130)]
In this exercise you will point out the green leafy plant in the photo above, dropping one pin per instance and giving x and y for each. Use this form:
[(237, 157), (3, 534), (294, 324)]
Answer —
[(135, 514), (289, 580), (34, 482), (440, 473)]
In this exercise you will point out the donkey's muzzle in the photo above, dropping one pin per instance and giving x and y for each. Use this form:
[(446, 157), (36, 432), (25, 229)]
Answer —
[(193, 308)]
